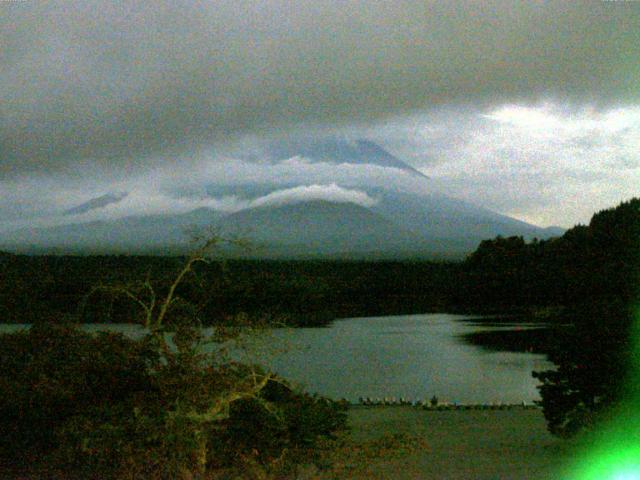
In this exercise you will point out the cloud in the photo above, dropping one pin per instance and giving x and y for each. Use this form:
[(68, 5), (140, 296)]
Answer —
[(157, 203), (547, 163), (210, 173), (51, 211), (211, 182), (123, 86), (146, 202), (548, 119), (329, 193), (149, 200)]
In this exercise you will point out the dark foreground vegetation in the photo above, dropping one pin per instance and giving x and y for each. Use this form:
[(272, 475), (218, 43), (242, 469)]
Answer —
[(77, 405), (106, 405)]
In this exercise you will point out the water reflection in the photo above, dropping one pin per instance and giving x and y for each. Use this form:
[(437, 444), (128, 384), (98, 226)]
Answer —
[(413, 356)]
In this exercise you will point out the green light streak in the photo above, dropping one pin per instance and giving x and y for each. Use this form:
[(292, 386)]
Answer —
[(614, 452), (620, 461)]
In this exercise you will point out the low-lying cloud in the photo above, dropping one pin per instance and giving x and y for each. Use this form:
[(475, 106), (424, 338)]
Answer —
[(145, 202), (211, 183), (293, 171), (329, 193)]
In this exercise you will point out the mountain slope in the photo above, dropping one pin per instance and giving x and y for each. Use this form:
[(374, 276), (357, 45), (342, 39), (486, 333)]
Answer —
[(439, 216), (398, 225), (335, 150), (135, 234), (318, 228)]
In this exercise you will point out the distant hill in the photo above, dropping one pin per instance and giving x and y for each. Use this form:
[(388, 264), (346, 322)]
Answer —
[(96, 203), (135, 234), (440, 216)]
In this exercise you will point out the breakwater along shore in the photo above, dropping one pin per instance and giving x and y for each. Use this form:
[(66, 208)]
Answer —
[(436, 405)]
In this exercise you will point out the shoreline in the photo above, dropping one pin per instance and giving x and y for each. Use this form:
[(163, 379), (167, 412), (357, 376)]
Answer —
[(441, 407), (448, 445)]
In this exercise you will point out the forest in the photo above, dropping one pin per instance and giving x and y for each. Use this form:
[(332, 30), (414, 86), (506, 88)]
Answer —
[(294, 292)]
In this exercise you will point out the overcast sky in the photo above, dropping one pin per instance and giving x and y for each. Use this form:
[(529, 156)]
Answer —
[(528, 108)]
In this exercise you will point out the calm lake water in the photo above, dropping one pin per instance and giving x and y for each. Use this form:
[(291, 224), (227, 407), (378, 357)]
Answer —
[(415, 356)]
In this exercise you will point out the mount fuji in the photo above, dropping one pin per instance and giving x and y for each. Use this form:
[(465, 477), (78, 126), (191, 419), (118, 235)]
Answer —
[(320, 198)]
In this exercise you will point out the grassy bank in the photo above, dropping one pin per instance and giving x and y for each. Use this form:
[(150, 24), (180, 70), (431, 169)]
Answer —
[(492, 444)]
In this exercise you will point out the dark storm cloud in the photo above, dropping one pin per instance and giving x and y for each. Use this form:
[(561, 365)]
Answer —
[(115, 85)]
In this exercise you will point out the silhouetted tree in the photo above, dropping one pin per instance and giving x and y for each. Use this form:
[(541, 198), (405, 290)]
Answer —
[(594, 357), (593, 363)]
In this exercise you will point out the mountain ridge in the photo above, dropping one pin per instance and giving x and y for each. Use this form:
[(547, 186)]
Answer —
[(391, 220)]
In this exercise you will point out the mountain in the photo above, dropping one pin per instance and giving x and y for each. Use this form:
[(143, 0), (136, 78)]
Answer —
[(553, 231), (96, 203), (440, 216), (370, 213), (318, 228), (333, 150)]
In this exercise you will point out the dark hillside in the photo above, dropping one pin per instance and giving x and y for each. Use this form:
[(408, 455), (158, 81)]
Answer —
[(595, 263)]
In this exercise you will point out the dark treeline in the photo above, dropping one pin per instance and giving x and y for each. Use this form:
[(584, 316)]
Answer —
[(592, 264), (588, 264), (297, 292), (590, 277), (593, 271)]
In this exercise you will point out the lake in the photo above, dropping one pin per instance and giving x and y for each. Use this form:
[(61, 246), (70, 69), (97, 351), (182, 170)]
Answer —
[(414, 356)]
